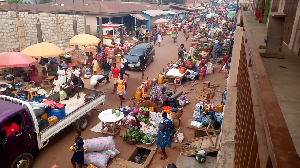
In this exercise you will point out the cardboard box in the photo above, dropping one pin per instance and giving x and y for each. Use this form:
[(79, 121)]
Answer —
[(206, 84)]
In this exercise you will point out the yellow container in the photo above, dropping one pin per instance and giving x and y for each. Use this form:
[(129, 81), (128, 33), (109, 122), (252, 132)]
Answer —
[(44, 116), (160, 80), (118, 59), (151, 109), (138, 94), (200, 77), (219, 108), (52, 120), (205, 107)]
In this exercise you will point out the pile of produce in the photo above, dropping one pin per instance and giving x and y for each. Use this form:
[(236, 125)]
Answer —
[(144, 111), (133, 134), (116, 112), (143, 119), (147, 139)]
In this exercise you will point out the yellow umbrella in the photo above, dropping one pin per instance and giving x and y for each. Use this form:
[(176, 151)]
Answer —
[(44, 50), (84, 40), (201, 7)]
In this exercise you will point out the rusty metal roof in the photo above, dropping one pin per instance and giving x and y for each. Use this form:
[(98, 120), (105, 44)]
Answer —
[(85, 6)]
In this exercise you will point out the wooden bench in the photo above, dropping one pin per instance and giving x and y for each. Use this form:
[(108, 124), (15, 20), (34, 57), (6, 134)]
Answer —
[(47, 82)]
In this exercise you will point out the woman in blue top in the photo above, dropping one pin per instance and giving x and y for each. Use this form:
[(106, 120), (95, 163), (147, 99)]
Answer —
[(164, 135), (78, 156)]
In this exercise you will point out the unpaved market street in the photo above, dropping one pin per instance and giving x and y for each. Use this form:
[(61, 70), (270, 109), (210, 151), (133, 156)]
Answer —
[(58, 152)]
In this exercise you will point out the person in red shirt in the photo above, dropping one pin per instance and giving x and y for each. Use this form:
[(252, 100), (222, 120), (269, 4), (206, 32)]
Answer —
[(10, 127), (115, 72)]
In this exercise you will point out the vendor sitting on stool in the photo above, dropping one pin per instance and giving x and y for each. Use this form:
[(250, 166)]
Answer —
[(75, 83)]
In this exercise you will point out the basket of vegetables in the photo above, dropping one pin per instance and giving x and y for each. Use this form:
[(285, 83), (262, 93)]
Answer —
[(116, 112), (133, 136), (148, 140), (144, 111), (143, 119)]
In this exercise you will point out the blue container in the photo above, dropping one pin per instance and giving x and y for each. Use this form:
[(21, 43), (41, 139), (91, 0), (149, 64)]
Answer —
[(37, 98), (59, 113)]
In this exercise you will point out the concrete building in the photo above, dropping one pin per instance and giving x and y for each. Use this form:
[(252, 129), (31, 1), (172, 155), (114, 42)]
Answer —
[(291, 29), (152, 16)]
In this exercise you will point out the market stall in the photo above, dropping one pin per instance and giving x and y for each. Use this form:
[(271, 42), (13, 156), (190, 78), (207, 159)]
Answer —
[(111, 119)]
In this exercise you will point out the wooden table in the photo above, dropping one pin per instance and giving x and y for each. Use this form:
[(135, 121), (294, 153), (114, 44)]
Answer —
[(47, 82), (176, 76), (110, 121)]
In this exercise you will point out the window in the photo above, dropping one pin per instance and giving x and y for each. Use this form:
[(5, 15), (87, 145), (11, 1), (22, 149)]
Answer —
[(14, 124)]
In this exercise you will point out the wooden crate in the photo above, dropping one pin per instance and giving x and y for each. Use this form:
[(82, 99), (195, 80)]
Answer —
[(202, 96), (207, 143)]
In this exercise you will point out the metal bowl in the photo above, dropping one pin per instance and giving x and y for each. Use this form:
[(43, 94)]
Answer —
[(38, 109)]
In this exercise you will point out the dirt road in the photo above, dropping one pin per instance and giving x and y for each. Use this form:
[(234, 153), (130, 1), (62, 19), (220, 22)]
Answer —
[(57, 152)]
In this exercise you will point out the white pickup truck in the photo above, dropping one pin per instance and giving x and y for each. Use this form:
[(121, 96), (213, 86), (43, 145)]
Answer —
[(17, 149)]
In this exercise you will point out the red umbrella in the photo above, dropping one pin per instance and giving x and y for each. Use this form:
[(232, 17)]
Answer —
[(161, 21), (222, 10), (15, 59)]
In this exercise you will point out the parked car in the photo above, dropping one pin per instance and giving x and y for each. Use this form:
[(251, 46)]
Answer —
[(134, 54)]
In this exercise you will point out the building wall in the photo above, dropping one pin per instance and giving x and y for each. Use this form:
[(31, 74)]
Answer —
[(153, 19), (91, 20), (290, 9), (295, 37), (50, 26), (149, 19)]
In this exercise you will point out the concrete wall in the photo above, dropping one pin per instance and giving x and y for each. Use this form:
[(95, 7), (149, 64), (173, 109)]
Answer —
[(295, 37), (91, 20), (50, 26)]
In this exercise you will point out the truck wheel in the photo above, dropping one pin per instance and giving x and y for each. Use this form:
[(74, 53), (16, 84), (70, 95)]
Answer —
[(25, 160), (82, 123)]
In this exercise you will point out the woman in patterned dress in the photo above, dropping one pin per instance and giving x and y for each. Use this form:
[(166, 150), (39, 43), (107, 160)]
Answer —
[(164, 135)]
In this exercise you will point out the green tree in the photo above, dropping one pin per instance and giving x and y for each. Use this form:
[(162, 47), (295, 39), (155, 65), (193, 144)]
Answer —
[(17, 1), (45, 1), (178, 1)]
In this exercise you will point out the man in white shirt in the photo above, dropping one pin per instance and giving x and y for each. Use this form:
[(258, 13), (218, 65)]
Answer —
[(123, 68)]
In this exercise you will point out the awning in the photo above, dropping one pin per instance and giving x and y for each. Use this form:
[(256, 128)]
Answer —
[(138, 16)]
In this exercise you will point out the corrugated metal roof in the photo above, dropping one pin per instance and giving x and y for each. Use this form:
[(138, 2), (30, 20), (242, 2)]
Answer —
[(139, 16), (154, 13), (86, 6)]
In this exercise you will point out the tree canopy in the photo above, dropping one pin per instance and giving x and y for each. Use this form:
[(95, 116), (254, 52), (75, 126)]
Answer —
[(17, 1)]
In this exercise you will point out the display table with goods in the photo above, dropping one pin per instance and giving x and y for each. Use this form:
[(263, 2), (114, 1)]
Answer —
[(176, 74), (111, 119)]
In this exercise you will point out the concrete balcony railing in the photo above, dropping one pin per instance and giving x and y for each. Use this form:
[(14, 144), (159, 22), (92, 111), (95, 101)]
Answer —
[(254, 133)]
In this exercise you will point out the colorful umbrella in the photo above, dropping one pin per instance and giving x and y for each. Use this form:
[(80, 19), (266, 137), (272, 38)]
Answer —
[(231, 14), (16, 59), (211, 15), (161, 21), (222, 10), (84, 40), (44, 49)]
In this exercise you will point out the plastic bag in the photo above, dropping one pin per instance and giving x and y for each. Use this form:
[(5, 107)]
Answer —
[(62, 95), (111, 152)]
